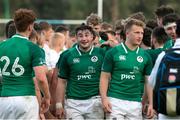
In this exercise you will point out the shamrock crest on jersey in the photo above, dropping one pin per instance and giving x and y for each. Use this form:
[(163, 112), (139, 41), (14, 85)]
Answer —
[(140, 59), (94, 58)]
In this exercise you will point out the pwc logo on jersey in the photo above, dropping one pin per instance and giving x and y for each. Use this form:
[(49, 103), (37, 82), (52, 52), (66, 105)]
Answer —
[(94, 58), (84, 77), (76, 60), (140, 59), (127, 77)]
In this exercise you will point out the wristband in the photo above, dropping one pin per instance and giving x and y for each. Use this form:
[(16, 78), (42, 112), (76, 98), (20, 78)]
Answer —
[(59, 105)]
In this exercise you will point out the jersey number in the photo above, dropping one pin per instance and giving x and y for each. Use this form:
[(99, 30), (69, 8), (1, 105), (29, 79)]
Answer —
[(14, 67)]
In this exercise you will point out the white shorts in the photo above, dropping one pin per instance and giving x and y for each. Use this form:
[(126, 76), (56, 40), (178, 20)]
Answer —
[(125, 109), (19, 107), (84, 109)]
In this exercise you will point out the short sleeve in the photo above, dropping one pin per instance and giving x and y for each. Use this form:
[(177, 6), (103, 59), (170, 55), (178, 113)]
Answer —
[(38, 57), (63, 67), (149, 65), (60, 59), (107, 65)]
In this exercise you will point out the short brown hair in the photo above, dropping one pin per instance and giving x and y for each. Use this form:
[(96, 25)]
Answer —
[(170, 18), (23, 18), (45, 25), (85, 27), (130, 22), (106, 26), (119, 25), (93, 19), (138, 16), (163, 10)]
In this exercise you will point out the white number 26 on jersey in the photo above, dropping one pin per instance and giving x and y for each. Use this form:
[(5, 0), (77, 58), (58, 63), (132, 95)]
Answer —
[(16, 69)]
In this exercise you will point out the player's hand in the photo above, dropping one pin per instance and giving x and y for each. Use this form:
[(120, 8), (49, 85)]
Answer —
[(106, 105), (144, 107), (150, 112), (60, 113), (45, 105), (42, 117)]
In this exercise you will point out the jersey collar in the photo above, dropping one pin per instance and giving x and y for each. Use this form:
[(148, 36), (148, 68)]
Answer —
[(126, 51), (19, 36), (80, 53)]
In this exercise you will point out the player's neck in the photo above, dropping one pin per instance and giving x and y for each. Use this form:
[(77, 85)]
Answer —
[(130, 45), (156, 46), (24, 34), (57, 49), (85, 49)]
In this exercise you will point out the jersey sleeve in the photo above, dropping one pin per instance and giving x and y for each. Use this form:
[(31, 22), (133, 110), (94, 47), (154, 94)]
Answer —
[(63, 66), (149, 65), (38, 57), (107, 65), (60, 59)]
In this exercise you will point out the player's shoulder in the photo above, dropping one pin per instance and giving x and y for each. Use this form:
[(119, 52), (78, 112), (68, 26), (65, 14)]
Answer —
[(5, 41), (116, 49), (2, 42), (66, 52), (99, 50), (145, 54), (34, 48), (33, 45), (143, 51)]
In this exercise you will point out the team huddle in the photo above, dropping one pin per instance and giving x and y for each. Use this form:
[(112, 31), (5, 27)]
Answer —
[(101, 76)]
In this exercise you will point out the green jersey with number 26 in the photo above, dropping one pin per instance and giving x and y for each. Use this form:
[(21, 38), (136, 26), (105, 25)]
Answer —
[(18, 56)]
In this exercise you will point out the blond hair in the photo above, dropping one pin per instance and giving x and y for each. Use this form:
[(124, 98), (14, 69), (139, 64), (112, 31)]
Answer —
[(57, 40), (93, 19), (130, 22)]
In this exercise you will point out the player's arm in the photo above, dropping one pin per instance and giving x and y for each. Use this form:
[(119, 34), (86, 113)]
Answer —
[(60, 96), (104, 82), (37, 90), (54, 80), (40, 74), (63, 75), (53, 85), (148, 90), (38, 63), (149, 94), (107, 67)]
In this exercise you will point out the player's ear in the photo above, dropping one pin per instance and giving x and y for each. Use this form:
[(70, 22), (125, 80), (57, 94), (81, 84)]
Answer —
[(127, 33), (30, 27)]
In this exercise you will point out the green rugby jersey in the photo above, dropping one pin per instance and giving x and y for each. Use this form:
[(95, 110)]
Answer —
[(0, 89), (18, 56), (127, 69), (82, 72), (0, 78), (154, 53), (61, 58), (168, 44), (43, 56)]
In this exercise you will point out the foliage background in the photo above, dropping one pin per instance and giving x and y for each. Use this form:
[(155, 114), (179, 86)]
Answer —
[(80, 9)]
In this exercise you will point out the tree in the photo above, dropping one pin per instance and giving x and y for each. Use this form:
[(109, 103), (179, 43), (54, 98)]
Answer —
[(114, 10)]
